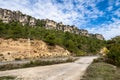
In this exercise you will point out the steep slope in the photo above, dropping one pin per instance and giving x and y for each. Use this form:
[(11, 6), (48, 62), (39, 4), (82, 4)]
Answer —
[(76, 44), (24, 49)]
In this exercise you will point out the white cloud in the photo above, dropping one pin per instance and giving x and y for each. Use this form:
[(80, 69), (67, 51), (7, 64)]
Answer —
[(67, 12), (53, 10), (107, 30), (117, 12), (110, 8), (117, 3)]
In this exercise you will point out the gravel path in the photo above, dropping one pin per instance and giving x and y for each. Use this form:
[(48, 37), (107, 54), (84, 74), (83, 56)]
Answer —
[(66, 71)]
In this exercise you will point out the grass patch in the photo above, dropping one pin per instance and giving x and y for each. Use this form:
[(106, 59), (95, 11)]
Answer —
[(36, 63), (7, 78), (102, 71), (43, 63), (10, 66)]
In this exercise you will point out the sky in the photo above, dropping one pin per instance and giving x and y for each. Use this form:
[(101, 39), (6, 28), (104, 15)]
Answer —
[(96, 16)]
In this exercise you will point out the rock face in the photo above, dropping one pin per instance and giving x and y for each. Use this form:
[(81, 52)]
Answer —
[(50, 24), (8, 16), (99, 36), (28, 49)]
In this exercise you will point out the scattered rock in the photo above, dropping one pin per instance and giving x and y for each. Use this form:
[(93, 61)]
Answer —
[(23, 49)]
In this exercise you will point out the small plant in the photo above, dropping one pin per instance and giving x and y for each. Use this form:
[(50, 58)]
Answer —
[(100, 59), (8, 53), (17, 59), (1, 54), (7, 78)]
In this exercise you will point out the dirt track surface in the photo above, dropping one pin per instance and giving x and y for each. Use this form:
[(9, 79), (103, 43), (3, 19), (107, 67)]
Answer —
[(67, 71)]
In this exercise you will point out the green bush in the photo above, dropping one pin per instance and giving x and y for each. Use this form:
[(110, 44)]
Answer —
[(114, 54)]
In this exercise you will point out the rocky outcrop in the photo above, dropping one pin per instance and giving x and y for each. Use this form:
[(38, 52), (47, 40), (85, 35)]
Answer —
[(28, 49), (50, 24), (97, 36), (8, 16)]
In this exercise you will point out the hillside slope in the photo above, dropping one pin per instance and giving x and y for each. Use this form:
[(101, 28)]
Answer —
[(24, 49), (76, 44), (8, 16)]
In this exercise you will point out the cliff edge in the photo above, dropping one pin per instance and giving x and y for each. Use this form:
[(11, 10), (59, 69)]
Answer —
[(8, 16)]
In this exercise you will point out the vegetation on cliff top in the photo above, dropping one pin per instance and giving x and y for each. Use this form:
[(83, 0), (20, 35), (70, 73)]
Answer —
[(76, 44)]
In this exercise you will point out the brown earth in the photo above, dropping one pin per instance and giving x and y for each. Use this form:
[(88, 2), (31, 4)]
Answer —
[(28, 49)]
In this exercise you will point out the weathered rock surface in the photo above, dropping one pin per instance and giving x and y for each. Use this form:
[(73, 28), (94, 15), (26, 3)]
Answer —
[(28, 49), (8, 16)]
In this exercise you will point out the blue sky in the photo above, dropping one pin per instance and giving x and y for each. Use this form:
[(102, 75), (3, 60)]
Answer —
[(97, 16)]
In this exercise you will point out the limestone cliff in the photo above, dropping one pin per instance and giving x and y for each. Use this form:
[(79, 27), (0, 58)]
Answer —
[(28, 49), (8, 16)]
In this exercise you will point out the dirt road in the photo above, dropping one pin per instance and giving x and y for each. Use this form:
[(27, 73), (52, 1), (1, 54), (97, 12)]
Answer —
[(66, 71)]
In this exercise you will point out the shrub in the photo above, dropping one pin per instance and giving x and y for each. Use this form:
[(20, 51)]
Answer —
[(17, 59), (7, 78), (114, 54)]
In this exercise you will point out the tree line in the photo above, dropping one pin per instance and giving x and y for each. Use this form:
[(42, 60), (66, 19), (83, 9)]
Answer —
[(76, 44)]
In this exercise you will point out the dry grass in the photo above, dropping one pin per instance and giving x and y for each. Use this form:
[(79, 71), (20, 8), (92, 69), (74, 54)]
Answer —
[(7, 78), (102, 71), (34, 63)]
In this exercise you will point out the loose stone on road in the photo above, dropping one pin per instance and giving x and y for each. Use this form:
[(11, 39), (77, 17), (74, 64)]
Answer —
[(67, 71)]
